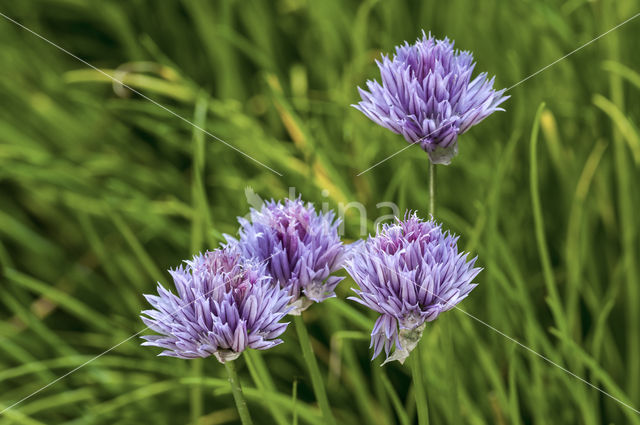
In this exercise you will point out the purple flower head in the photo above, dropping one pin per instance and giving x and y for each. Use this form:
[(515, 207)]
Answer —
[(428, 96), (410, 272), (224, 305), (302, 248)]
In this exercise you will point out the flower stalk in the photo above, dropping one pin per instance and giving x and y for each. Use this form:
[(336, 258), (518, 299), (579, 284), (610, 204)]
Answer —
[(420, 393), (236, 390), (432, 188)]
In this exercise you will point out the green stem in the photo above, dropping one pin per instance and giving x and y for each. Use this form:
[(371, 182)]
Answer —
[(449, 349), (418, 387), (262, 378), (432, 188), (294, 399), (196, 392), (543, 251), (628, 239), (314, 371), (416, 363), (236, 389)]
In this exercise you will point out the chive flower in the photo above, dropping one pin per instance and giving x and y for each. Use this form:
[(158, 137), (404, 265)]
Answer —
[(410, 272), (224, 305), (427, 95), (301, 247)]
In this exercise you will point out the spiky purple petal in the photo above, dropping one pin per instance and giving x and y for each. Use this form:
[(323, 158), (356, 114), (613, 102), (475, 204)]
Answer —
[(427, 95), (224, 305), (410, 272), (301, 247)]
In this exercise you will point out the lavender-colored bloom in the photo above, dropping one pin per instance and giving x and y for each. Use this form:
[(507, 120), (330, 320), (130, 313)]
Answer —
[(427, 95), (410, 272), (224, 305), (302, 248)]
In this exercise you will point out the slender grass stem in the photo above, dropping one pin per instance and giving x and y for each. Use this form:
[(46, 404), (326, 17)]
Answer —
[(418, 387), (403, 417), (196, 392), (294, 399), (453, 374), (314, 371), (263, 381), (628, 240), (236, 390), (545, 258), (432, 188)]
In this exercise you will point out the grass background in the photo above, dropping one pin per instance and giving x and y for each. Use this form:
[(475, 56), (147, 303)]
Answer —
[(101, 191)]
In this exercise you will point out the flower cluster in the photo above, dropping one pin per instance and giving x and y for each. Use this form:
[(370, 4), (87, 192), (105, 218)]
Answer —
[(410, 272), (233, 298), (286, 253), (427, 95), (301, 247), (225, 304)]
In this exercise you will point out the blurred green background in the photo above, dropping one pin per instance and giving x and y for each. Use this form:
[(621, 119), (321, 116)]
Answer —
[(101, 191)]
